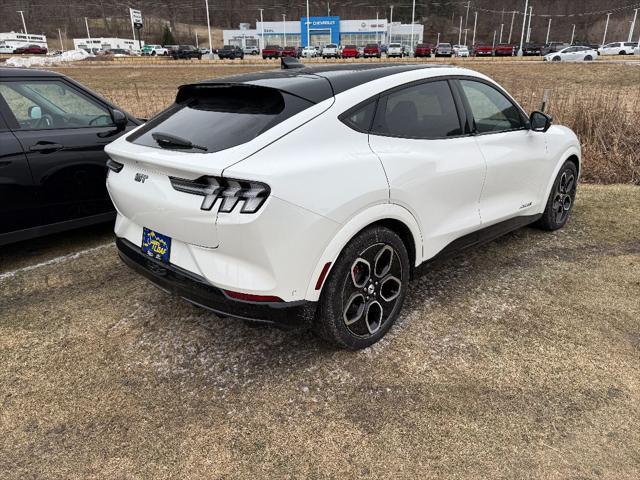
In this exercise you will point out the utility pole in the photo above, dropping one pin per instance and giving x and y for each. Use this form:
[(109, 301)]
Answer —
[(494, 40), (328, 10), (438, 40), (475, 24), (24, 25), (573, 33), (524, 24), (460, 32), (513, 16), (465, 36), (466, 18), (548, 32), (284, 30), (501, 28), (413, 19), (529, 25), (606, 27), (261, 30), (86, 23), (61, 44), (390, 25), (633, 25), (197, 46), (206, 2), (377, 21)]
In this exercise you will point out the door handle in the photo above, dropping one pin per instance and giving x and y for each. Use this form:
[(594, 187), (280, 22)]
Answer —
[(45, 147)]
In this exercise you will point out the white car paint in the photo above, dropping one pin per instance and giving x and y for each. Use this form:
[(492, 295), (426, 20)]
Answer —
[(309, 52), (617, 48), (572, 54), (461, 50), (323, 193), (6, 49), (395, 50), (331, 50)]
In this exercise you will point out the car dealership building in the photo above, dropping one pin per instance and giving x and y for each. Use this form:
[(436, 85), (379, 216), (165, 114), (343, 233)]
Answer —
[(323, 30)]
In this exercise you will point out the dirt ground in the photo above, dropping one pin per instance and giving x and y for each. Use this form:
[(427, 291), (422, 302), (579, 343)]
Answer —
[(520, 359)]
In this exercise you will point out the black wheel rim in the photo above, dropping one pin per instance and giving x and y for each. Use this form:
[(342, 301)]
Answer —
[(563, 197), (371, 290)]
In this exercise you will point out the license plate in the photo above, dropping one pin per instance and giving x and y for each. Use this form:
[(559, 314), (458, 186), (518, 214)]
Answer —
[(156, 245)]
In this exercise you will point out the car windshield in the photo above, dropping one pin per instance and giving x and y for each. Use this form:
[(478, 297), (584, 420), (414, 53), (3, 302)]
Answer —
[(445, 45), (228, 47), (217, 117)]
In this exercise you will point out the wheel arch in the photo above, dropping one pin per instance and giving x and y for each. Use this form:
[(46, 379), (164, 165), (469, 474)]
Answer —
[(572, 154), (395, 217)]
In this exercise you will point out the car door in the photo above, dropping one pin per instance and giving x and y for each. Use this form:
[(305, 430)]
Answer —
[(18, 203), (433, 165), (63, 132), (517, 159)]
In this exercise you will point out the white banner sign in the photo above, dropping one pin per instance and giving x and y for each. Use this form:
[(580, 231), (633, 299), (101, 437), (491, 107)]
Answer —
[(136, 17)]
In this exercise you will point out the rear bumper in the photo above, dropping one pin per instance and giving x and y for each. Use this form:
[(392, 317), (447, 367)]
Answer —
[(195, 289)]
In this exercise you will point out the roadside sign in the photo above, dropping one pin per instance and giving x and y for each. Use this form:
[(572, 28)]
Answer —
[(136, 18)]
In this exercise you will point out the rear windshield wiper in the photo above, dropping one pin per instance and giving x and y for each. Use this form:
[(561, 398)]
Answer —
[(171, 141)]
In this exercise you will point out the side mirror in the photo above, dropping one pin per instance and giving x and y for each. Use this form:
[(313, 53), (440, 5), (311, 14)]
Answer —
[(35, 112), (120, 120), (540, 122)]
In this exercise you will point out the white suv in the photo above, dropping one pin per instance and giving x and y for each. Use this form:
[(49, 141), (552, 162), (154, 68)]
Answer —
[(395, 50), (617, 48), (331, 51), (228, 200)]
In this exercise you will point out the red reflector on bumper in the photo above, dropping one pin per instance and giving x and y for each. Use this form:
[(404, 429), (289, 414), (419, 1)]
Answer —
[(323, 274), (248, 297)]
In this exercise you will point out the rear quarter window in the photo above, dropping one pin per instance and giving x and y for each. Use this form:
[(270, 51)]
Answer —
[(218, 117)]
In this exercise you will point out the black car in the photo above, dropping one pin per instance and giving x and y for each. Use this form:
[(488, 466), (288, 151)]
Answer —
[(186, 52), (532, 49), (52, 162), (231, 52)]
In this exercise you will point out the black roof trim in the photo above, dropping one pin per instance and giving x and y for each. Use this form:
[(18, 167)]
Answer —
[(26, 72), (318, 83)]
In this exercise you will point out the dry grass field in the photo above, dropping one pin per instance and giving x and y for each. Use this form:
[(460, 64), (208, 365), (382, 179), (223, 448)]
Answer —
[(599, 101)]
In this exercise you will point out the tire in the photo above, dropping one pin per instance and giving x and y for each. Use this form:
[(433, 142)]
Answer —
[(153, 54), (588, 58), (356, 314), (264, 58), (556, 59), (561, 199), (622, 53)]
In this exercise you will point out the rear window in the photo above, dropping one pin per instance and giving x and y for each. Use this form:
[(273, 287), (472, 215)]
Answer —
[(331, 45), (216, 117), (372, 45)]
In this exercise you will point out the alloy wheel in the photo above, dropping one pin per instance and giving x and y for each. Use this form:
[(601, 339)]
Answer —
[(371, 290), (564, 196)]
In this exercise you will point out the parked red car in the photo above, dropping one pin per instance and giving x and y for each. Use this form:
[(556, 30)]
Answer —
[(483, 50), (372, 50), (31, 50), (272, 51), (289, 52), (504, 50), (423, 50), (350, 51)]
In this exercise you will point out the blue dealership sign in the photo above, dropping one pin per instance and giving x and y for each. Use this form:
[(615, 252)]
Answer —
[(320, 25)]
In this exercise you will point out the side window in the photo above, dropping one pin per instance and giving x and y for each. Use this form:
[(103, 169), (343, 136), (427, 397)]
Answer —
[(492, 111), (425, 111), (361, 118), (52, 104)]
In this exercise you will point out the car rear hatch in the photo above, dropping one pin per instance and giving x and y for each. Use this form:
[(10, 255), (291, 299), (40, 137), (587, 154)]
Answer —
[(167, 165)]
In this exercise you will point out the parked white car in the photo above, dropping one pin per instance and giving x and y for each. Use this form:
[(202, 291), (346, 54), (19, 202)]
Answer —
[(251, 50), (572, 54), (461, 50), (617, 48), (395, 50), (309, 52), (6, 49), (331, 50), (153, 50), (227, 201)]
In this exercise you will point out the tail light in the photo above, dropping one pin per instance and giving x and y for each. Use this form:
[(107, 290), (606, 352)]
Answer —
[(231, 192)]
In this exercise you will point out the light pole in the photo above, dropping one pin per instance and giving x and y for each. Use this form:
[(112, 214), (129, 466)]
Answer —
[(24, 25), (206, 3), (460, 31), (438, 40), (606, 27), (61, 44), (413, 19), (465, 36), (475, 24), (494, 40), (86, 23), (501, 28), (308, 22), (466, 18), (524, 24), (633, 25), (377, 21), (573, 33), (548, 32), (529, 24), (390, 24), (261, 30), (513, 16), (284, 30), (328, 10)]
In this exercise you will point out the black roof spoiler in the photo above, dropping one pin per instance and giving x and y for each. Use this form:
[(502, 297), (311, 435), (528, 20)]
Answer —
[(290, 62)]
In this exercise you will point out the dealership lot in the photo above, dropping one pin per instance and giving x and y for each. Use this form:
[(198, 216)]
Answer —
[(519, 359)]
